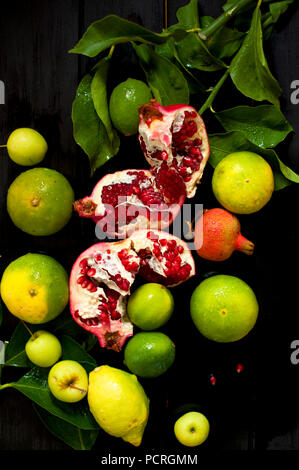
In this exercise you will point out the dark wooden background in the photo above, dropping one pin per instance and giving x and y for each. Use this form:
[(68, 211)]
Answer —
[(257, 409)]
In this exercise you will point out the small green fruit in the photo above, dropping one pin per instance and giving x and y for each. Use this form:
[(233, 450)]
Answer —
[(192, 429), (149, 354), (150, 306), (125, 100), (43, 349), (26, 146), (68, 381)]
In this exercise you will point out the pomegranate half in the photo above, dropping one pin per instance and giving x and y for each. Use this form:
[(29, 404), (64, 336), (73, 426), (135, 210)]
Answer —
[(175, 136), (102, 276), (127, 200)]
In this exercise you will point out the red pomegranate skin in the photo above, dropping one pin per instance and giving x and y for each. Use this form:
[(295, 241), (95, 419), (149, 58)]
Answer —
[(220, 233)]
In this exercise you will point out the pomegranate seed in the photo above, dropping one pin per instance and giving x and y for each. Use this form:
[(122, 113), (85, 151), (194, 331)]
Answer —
[(160, 258), (85, 283), (239, 368), (90, 286), (187, 179), (164, 155), (213, 379), (156, 251), (83, 263), (197, 142), (85, 270), (91, 272), (103, 317), (180, 249), (163, 242), (115, 315), (98, 258), (81, 279)]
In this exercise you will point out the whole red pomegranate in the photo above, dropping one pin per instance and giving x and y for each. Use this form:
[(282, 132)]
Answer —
[(101, 278), (175, 143), (217, 235)]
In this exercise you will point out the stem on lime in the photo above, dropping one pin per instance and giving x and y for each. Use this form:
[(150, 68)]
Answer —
[(223, 19), (209, 101)]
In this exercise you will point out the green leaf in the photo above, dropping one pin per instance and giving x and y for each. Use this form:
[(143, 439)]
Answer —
[(223, 43), (188, 15), (275, 11), (15, 352), (78, 439), (168, 51), (223, 144), (73, 351), (264, 126), (89, 131), (100, 100), (166, 81), (111, 30), (34, 385), (194, 54), (249, 69)]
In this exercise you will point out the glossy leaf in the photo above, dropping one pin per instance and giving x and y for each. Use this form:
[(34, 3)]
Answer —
[(15, 352), (264, 126), (89, 131), (223, 144), (188, 15), (166, 81), (34, 385), (76, 438), (111, 30), (100, 100), (194, 54), (223, 43), (275, 11), (249, 69)]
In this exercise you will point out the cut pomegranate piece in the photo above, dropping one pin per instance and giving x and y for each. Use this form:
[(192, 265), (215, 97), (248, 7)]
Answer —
[(175, 135), (165, 258), (131, 199), (101, 278)]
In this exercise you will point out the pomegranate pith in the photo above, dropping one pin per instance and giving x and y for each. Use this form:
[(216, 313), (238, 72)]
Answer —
[(101, 278)]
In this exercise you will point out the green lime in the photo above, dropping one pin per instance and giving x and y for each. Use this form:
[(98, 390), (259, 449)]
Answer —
[(150, 306), (224, 308), (26, 146), (125, 100), (35, 288), (149, 354), (243, 182), (40, 201)]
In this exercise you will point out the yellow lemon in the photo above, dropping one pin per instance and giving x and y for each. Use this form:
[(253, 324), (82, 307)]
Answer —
[(118, 403)]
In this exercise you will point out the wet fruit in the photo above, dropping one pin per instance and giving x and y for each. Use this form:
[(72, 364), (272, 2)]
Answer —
[(43, 348), (34, 288), (175, 135), (243, 182), (125, 201), (224, 308), (39, 201), (101, 278), (150, 306), (118, 403), (124, 102), (217, 235), (192, 429), (68, 381), (149, 354)]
